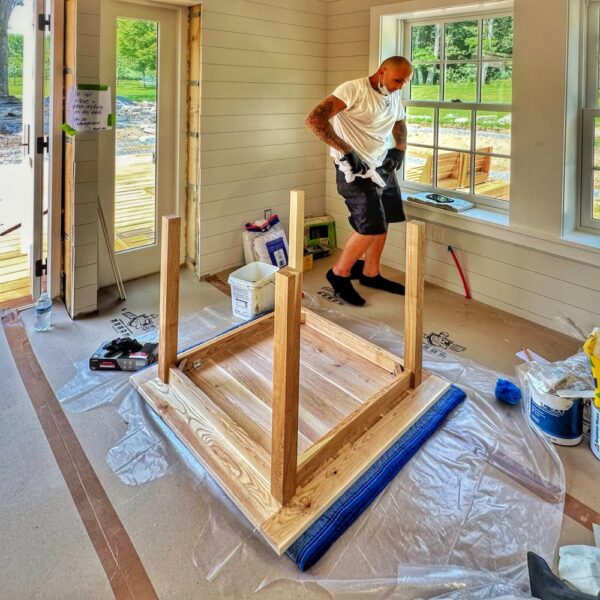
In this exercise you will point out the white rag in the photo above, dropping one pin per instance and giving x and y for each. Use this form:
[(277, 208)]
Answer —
[(580, 566), (371, 174)]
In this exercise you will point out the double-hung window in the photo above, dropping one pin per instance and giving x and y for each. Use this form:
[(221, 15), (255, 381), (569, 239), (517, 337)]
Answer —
[(590, 158), (459, 106)]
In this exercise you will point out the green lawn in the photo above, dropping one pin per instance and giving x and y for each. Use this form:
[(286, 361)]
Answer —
[(496, 92), (134, 90), (15, 86)]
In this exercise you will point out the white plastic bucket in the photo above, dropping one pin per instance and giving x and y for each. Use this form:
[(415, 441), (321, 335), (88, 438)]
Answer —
[(595, 431), (559, 419), (252, 289)]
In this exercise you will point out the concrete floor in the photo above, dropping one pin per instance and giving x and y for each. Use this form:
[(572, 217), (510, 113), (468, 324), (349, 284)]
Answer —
[(46, 552)]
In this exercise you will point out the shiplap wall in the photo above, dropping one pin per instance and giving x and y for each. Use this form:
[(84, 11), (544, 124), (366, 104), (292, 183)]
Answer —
[(84, 232), (538, 286), (264, 66)]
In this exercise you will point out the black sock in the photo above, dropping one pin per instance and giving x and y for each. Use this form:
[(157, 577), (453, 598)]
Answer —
[(342, 286), (547, 586), (357, 269), (381, 283)]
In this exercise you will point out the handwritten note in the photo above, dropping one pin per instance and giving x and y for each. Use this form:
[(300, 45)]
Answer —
[(89, 108)]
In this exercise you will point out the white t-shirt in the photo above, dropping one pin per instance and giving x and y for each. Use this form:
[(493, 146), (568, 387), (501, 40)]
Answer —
[(367, 122)]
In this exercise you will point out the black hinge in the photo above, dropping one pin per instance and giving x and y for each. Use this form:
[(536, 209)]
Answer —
[(40, 268), (43, 22), (41, 144)]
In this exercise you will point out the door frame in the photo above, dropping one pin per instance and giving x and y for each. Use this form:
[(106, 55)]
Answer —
[(55, 149)]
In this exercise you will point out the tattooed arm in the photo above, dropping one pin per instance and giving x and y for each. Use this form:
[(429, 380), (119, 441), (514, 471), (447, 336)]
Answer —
[(400, 134), (318, 121)]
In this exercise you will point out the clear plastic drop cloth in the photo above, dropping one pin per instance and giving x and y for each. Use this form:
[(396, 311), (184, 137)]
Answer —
[(455, 523)]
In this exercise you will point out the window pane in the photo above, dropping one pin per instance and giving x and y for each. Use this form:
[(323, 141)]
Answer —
[(461, 40), (455, 129), (418, 165), (425, 43), (461, 82), (493, 132), (596, 203), (597, 142), (135, 160), (498, 37), (496, 82), (425, 84), (420, 125), (492, 176), (450, 170)]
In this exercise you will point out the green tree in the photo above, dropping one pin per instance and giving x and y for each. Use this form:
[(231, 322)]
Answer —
[(137, 47), (15, 56), (6, 8)]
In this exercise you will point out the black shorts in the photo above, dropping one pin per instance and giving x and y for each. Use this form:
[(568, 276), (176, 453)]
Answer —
[(371, 207)]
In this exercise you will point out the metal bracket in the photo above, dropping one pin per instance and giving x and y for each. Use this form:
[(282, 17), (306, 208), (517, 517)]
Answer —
[(197, 364), (41, 144), (43, 22), (41, 268)]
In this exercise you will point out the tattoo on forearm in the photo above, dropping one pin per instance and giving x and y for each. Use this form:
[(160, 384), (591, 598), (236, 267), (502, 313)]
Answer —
[(400, 133), (318, 121)]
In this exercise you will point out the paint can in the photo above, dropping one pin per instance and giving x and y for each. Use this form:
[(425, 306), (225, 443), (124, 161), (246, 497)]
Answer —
[(595, 430), (559, 419)]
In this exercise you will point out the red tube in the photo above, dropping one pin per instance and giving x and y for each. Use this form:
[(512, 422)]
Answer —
[(460, 272)]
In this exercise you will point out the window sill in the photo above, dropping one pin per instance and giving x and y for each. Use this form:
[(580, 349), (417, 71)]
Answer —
[(580, 246)]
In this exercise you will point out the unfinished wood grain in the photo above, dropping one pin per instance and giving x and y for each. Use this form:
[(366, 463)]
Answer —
[(414, 298), (169, 295), (354, 343), (323, 404), (243, 392), (192, 239), (222, 342), (286, 371), (312, 499), (232, 473), (352, 427), (356, 376), (314, 417), (235, 400), (296, 231), (201, 405)]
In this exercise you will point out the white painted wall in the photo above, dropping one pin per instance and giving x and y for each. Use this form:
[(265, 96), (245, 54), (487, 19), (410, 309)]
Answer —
[(511, 274), (264, 67)]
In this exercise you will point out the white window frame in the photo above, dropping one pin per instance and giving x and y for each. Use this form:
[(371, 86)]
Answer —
[(589, 112), (404, 42)]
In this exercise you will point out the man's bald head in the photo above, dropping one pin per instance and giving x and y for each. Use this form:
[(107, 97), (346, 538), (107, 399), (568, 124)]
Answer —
[(396, 62), (393, 73)]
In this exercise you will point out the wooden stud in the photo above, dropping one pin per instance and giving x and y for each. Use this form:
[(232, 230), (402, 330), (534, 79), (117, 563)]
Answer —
[(286, 369), (296, 237), (169, 295), (413, 305)]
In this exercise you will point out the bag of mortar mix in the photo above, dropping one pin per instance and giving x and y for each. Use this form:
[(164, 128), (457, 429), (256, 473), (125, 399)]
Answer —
[(559, 419), (265, 241)]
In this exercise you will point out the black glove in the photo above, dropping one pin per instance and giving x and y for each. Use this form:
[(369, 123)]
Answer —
[(357, 164), (393, 160)]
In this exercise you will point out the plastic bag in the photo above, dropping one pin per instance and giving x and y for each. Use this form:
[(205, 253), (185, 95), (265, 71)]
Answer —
[(265, 241)]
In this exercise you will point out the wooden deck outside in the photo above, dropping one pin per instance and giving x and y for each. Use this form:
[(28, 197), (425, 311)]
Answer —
[(135, 207), (14, 270), (134, 227)]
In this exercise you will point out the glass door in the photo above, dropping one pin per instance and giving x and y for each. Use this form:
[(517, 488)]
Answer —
[(24, 60), (138, 164)]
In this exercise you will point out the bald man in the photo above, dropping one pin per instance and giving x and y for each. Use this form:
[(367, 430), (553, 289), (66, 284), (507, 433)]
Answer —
[(363, 122)]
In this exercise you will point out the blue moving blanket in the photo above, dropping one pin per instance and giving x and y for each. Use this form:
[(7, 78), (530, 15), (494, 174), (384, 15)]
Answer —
[(313, 544)]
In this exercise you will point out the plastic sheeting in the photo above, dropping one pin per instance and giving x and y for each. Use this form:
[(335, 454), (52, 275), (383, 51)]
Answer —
[(455, 523)]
